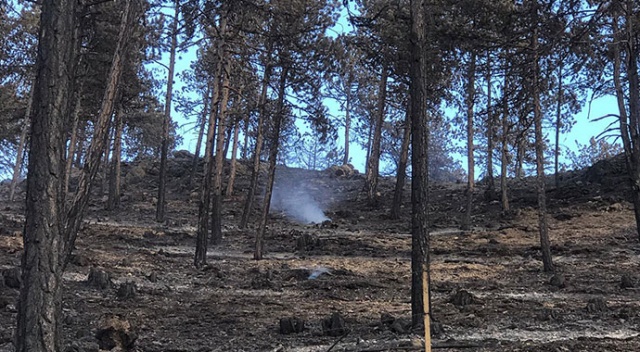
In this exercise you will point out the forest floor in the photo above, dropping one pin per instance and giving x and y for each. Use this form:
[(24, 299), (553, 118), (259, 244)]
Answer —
[(357, 265)]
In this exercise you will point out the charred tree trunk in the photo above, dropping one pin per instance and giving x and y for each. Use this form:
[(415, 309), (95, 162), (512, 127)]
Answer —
[(273, 156), (203, 125), (419, 159), (556, 153), (245, 145), (113, 201), (347, 120), (402, 167), (629, 115), (504, 153), (20, 152), (202, 237), (73, 142), (81, 137), (164, 150), (255, 172), (216, 214), (491, 184), (234, 153), (50, 232), (373, 162), (471, 89), (540, 176)]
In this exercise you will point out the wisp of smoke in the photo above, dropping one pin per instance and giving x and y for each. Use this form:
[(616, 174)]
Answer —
[(298, 204)]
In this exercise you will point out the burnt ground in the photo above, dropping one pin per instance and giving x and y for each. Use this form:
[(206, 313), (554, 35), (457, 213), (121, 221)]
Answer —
[(363, 261)]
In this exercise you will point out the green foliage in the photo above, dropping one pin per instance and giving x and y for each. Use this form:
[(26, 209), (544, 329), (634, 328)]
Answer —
[(586, 155)]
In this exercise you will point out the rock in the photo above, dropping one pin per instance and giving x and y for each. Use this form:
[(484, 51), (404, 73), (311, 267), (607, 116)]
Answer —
[(183, 154), (342, 171), (307, 242), (99, 279), (558, 280), (401, 326), (291, 325), (136, 174), (80, 260), (626, 281), (334, 325), (116, 332), (462, 298), (596, 305), (127, 290), (387, 319), (12, 277)]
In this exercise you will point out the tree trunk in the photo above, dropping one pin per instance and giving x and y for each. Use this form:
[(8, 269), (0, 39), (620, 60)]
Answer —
[(491, 184), (373, 162), (255, 172), (113, 201), (419, 160), (556, 153), (245, 145), (402, 167), (347, 120), (164, 150), (234, 152), (203, 125), (204, 205), (540, 177), (21, 144), (471, 89), (50, 233), (81, 137), (273, 156), (504, 155), (73, 141), (40, 305), (216, 214), (629, 118)]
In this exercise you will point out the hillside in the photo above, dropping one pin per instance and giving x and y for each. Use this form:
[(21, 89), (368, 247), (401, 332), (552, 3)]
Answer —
[(489, 292)]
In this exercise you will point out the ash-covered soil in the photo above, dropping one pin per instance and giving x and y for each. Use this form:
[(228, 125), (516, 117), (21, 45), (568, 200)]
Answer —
[(488, 289)]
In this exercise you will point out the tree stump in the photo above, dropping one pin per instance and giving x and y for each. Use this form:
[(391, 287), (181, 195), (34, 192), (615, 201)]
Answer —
[(99, 279), (127, 290), (307, 242), (12, 277), (558, 280), (291, 325), (596, 305), (334, 325), (462, 298), (116, 332), (627, 281)]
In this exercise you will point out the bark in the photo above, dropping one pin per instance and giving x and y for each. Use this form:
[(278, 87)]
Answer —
[(629, 115), (50, 232), (273, 156), (373, 162), (419, 160), (491, 185), (164, 150), (504, 158), (73, 141), (255, 172), (347, 120), (471, 87), (113, 201), (234, 152), (39, 323), (540, 176), (202, 237), (402, 167), (203, 125), (20, 152), (556, 153), (216, 216)]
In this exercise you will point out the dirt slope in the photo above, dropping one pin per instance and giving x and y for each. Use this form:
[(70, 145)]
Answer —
[(357, 265)]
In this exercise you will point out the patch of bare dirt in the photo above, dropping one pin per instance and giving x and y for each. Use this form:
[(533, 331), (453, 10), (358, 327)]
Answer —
[(488, 290)]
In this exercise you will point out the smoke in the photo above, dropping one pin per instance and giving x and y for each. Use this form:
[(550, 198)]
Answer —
[(297, 201)]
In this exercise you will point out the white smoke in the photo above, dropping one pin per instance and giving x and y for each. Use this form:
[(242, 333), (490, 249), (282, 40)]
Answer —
[(297, 202)]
